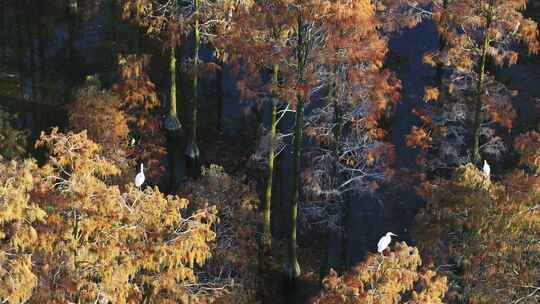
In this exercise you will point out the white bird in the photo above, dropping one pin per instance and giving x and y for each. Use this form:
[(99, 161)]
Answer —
[(139, 178), (384, 242), (486, 169)]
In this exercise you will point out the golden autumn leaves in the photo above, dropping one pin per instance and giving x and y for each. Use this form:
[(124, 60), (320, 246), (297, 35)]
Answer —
[(396, 278), (487, 231), (86, 239)]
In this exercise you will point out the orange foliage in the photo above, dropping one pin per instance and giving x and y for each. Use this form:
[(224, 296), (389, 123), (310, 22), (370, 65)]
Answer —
[(418, 138), (486, 231), (431, 94), (140, 104), (394, 278), (87, 240), (99, 113)]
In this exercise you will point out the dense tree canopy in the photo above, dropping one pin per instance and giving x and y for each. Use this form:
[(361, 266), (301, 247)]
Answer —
[(340, 84)]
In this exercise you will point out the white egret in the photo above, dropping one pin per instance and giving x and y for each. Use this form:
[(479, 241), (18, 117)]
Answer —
[(384, 242), (139, 178), (486, 169)]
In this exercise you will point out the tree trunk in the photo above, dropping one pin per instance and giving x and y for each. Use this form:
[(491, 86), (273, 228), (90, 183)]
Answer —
[(219, 107), (297, 151), (192, 149), (442, 46), (114, 17), (3, 17), (42, 63), (172, 70), (33, 70), (172, 123), (267, 233), (20, 46), (293, 268), (480, 92)]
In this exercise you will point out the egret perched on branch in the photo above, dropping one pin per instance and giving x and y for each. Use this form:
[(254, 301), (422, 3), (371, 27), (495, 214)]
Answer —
[(384, 242), (486, 169), (139, 178)]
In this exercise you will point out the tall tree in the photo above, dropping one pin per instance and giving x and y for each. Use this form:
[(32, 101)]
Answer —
[(486, 232), (163, 21), (476, 33), (256, 43)]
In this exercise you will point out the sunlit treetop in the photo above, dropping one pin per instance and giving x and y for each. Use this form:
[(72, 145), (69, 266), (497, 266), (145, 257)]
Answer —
[(464, 25), (395, 278)]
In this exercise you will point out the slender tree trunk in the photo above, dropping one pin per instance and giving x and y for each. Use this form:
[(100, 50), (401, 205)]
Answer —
[(297, 151), (114, 17), (192, 149), (3, 17), (195, 75), (480, 92), (33, 70), (20, 46), (219, 107), (172, 123), (172, 70), (42, 63), (442, 46), (294, 266), (71, 24), (3, 31), (267, 233), (334, 95)]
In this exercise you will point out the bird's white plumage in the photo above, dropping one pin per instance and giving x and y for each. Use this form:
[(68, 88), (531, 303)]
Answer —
[(384, 242), (139, 178), (486, 169)]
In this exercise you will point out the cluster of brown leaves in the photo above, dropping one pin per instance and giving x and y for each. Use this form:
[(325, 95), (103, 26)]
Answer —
[(232, 270), (140, 105), (98, 112), (487, 231), (394, 278), (69, 235)]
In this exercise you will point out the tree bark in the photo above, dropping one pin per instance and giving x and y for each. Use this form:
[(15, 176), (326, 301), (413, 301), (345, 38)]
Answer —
[(267, 233), (294, 266), (33, 70), (480, 90), (172, 70), (20, 45), (192, 149)]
